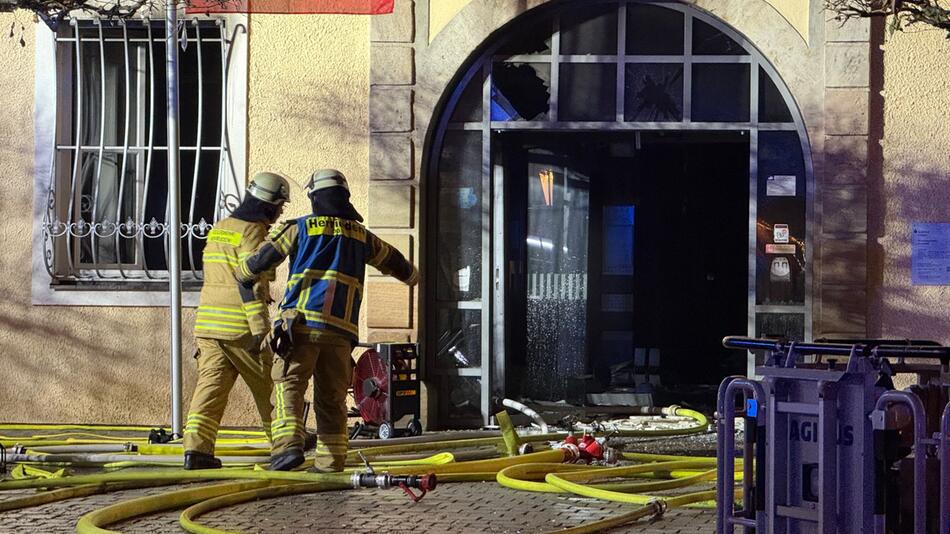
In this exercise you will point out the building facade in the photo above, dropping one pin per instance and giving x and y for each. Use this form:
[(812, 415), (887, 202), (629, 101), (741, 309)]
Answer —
[(582, 183)]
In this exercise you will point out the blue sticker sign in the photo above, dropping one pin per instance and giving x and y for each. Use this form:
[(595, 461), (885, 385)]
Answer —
[(930, 254)]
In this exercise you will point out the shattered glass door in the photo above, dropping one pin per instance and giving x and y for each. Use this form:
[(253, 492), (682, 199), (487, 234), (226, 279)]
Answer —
[(556, 276)]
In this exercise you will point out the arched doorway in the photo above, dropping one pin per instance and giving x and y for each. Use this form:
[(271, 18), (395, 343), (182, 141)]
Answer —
[(612, 188)]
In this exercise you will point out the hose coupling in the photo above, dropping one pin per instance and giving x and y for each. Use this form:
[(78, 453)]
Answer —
[(659, 507), (571, 452), (612, 456)]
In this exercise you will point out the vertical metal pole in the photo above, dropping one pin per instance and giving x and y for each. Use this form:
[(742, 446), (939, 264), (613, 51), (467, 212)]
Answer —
[(174, 216)]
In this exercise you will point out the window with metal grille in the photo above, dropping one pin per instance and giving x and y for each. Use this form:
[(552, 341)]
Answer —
[(105, 224)]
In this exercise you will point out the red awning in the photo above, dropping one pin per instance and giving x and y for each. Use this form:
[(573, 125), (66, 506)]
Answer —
[(344, 7)]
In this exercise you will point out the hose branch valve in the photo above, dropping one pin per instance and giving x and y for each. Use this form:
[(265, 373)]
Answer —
[(371, 479)]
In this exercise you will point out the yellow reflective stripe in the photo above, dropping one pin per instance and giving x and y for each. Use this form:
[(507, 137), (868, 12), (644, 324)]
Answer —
[(330, 320), (199, 417), (283, 243), (414, 277), (229, 263), (224, 309), (350, 291), (230, 315), (214, 320), (382, 253), (315, 274), (221, 328)]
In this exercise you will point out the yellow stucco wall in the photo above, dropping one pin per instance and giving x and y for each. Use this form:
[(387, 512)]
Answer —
[(93, 364), (916, 179), (795, 12), (307, 91), (308, 107), (442, 11)]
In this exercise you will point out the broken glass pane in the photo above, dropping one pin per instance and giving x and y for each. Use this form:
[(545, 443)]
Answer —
[(460, 338), (710, 41), (520, 91), (654, 92), (464, 397), (591, 30), (530, 39), (587, 92), (654, 30)]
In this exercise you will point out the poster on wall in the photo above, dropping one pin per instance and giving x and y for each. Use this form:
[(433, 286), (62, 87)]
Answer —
[(930, 254)]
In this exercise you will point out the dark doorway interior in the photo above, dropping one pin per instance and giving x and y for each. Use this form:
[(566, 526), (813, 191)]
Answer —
[(624, 247)]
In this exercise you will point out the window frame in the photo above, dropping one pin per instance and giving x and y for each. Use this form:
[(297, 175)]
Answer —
[(48, 112)]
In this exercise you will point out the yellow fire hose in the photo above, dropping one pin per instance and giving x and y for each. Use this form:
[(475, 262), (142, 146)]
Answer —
[(93, 522), (539, 471), (187, 520)]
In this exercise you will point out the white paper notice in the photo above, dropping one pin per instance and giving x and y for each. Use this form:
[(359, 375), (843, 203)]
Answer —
[(464, 278), (780, 185)]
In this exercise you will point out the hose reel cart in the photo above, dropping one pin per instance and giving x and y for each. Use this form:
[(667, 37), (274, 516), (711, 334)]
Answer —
[(386, 389), (836, 448)]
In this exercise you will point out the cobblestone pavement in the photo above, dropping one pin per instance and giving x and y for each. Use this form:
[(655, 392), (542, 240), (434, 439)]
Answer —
[(463, 508)]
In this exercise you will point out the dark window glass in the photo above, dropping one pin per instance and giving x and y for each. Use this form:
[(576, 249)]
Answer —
[(772, 107), (591, 30), (520, 91), (469, 106), (107, 190), (780, 228), (720, 92), (654, 30), (460, 338), (654, 92), (790, 326), (710, 41), (459, 247), (587, 92)]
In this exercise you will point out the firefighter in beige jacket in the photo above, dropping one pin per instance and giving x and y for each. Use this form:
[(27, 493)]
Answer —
[(232, 320)]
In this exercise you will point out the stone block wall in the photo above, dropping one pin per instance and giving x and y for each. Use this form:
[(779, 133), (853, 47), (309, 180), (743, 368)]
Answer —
[(393, 212), (842, 234)]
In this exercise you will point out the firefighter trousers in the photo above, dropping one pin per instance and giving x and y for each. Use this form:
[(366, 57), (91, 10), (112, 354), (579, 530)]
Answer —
[(328, 360), (219, 364)]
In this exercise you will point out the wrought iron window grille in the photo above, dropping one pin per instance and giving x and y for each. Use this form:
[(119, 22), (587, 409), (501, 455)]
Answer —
[(105, 220)]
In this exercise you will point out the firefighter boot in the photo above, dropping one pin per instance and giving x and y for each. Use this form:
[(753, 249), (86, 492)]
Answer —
[(286, 460), (200, 460)]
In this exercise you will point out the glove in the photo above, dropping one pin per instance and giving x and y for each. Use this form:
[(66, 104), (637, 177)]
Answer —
[(281, 340), (255, 343)]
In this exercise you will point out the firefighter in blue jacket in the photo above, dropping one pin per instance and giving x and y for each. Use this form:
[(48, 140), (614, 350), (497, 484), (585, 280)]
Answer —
[(316, 329)]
